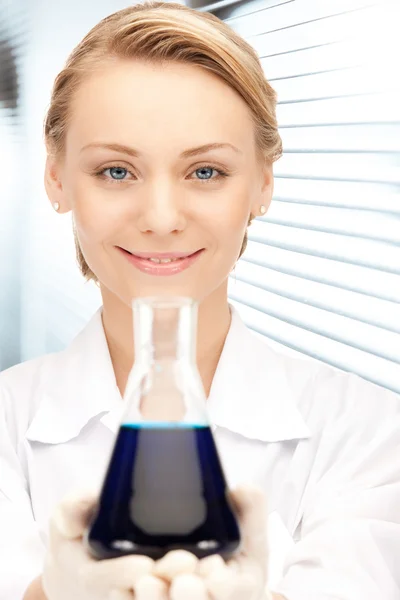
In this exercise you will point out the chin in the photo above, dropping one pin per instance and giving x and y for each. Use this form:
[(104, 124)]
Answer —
[(160, 288)]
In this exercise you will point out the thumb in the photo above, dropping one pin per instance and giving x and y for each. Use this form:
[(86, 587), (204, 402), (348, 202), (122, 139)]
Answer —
[(251, 506), (73, 513)]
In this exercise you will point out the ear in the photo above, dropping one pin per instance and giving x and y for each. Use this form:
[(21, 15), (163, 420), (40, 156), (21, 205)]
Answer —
[(53, 184), (265, 190)]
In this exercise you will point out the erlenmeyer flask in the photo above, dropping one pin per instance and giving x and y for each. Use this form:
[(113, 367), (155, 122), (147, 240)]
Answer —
[(164, 488)]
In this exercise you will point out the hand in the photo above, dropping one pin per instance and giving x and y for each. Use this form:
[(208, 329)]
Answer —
[(69, 571), (180, 575)]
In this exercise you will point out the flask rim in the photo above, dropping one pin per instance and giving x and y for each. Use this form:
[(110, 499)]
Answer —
[(164, 302)]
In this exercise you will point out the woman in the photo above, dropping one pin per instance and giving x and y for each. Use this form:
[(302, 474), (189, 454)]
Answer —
[(161, 136)]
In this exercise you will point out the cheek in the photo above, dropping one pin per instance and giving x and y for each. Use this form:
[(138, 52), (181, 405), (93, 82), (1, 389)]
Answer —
[(231, 223), (94, 214), (230, 236)]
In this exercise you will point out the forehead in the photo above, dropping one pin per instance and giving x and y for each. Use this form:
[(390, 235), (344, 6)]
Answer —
[(158, 104)]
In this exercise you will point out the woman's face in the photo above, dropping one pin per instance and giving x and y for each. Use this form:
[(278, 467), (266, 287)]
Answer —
[(141, 186)]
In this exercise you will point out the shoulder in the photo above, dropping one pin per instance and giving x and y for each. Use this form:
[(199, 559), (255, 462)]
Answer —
[(19, 391), (21, 379), (354, 427), (342, 401), (27, 380), (327, 396)]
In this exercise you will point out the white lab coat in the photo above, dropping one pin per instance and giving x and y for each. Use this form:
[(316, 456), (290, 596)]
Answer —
[(323, 444)]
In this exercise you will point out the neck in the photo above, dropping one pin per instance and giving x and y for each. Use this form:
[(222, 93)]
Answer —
[(213, 325)]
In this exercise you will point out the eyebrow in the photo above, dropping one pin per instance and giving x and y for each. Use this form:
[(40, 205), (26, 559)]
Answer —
[(186, 154)]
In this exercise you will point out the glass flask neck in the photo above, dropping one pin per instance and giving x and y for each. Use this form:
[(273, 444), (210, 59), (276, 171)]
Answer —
[(164, 384), (165, 330)]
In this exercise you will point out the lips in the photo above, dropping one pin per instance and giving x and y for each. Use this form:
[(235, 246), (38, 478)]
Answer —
[(162, 263), (163, 255)]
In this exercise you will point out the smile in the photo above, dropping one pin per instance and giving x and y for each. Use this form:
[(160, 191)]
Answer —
[(155, 263)]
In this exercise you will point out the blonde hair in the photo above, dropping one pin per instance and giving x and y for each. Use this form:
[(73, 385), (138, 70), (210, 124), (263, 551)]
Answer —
[(163, 31)]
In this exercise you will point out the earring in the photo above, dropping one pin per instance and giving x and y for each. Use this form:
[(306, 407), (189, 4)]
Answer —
[(263, 210), (56, 205)]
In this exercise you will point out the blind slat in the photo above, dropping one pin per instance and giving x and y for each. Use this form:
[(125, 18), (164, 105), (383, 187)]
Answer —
[(292, 15), (342, 356), (206, 6), (356, 223), (243, 7), (367, 253), (356, 305), (367, 338), (339, 55), (371, 282), (303, 35), (340, 138), (377, 108), (381, 197), (349, 167), (347, 82)]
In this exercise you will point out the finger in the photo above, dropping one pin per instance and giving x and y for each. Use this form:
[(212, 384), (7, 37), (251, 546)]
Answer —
[(250, 503), (150, 587), (233, 565), (120, 595), (188, 586), (72, 515), (249, 572), (121, 573), (209, 564), (176, 562), (73, 554), (220, 584), (63, 534), (245, 586)]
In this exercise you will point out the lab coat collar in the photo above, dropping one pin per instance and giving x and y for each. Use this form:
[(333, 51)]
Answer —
[(76, 385), (250, 393)]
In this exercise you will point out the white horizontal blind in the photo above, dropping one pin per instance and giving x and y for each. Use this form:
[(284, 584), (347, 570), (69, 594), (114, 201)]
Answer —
[(321, 275)]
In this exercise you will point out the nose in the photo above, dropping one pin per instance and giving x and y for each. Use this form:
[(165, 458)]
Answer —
[(161, 211)]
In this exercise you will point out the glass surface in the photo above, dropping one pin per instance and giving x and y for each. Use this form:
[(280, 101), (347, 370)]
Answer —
[(164, 488)]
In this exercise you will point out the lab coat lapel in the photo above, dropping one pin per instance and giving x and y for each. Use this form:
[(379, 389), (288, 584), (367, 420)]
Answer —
[(76, 385), (280, 543), (250, 394)]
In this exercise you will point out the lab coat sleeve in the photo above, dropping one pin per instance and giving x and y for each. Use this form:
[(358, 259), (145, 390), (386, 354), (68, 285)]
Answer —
[(21, 548), (349, 547)]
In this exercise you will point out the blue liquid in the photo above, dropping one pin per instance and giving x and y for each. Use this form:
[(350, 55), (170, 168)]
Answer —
[(164, 490)]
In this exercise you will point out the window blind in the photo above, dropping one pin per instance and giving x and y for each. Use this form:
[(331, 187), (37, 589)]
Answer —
[(321, 275)]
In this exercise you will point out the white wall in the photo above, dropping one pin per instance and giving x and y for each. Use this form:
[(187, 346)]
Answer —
[(12, 169), (9, 244), (55, 300)]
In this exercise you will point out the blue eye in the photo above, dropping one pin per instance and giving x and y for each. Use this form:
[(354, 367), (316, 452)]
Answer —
[(208, 168), (204, 170), (118, 172)]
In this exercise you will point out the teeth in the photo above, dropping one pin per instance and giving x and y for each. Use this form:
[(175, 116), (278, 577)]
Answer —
[(162, 260)]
